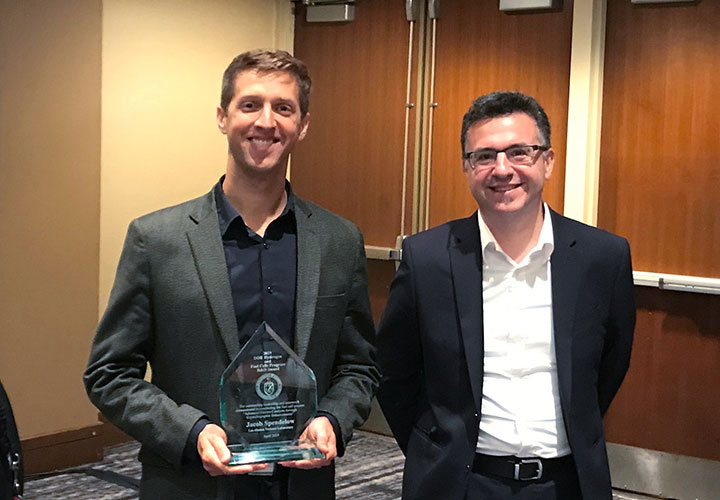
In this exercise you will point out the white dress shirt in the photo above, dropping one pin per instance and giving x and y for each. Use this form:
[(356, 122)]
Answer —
[(521, 412)]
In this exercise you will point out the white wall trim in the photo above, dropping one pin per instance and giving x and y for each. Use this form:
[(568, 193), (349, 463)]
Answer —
[(585, 110)]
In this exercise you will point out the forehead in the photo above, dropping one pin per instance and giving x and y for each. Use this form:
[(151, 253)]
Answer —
[(503, 131), (279, 84)]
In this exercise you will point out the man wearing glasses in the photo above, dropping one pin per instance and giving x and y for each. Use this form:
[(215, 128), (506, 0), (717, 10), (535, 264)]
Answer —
[(506, 334)]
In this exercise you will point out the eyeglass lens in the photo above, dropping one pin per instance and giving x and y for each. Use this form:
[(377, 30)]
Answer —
[(517, 155)]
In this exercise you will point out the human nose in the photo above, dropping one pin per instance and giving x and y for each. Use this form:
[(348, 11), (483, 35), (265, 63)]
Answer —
[(266, 118), (502, 165)]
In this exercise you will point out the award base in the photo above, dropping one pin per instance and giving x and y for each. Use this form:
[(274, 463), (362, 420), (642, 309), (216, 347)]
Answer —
[(260, 453)]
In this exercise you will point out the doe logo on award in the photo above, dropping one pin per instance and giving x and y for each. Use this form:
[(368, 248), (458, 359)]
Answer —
[(268, 386)]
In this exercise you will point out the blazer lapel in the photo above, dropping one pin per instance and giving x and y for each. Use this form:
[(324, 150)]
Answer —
[(209, 258), (308, 276), (566, 270), (466, 270)]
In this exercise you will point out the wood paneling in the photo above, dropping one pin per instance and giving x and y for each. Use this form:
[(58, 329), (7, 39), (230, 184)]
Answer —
[(670, 398), (62, 449), (479, 50), (380, 274), (352, 159), (70, 448), (659, 172), (660, 150)]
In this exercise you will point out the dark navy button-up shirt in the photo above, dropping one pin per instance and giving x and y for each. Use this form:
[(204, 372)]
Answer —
[(262, 270)]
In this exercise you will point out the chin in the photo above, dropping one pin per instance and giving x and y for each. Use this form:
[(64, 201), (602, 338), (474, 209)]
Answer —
[(248, 163)]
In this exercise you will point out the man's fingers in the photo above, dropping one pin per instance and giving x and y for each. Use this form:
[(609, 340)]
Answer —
[(213, 456), (242, 469), (214, 453), (320, 432), (315, 463), (220, 449)]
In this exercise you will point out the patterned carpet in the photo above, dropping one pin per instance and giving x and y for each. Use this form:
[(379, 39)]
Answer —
[(371, 470)]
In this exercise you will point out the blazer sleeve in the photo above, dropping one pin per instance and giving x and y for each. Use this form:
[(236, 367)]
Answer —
[(402, 393), (355, 374), (114, 377), (615, 359)]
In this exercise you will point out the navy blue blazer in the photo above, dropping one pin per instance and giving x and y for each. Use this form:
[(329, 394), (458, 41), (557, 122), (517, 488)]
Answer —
[(430, 348)]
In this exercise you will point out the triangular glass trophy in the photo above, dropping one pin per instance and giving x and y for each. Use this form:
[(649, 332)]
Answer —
[(267, 395)]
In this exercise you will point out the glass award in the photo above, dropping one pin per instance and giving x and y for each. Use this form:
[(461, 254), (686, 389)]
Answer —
[(268, 395)]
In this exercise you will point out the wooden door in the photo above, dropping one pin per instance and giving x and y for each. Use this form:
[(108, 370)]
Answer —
[(659, 174), (353, 159), (479, 50)]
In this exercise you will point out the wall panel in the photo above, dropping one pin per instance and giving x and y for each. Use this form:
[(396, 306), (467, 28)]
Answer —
[(162, 71), (479, 50), (670, 399), (658, 187), (351, 161), (50, 61), (659, 170)]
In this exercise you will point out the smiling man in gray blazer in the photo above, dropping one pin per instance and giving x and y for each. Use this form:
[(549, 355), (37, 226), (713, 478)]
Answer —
[(196, 279), (506, 334)]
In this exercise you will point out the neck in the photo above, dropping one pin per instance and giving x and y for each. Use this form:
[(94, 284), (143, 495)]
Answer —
[(259, 199), (516, 233)]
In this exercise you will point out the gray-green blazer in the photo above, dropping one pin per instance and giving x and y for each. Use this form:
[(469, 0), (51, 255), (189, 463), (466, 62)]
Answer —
[(171, 306)]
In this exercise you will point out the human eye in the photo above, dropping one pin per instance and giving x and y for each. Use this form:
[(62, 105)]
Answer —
[(519, 152), (285, 108), (247, 105), (483, 156)]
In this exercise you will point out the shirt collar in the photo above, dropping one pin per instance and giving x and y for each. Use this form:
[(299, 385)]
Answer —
[(227, 213), (542, 250)]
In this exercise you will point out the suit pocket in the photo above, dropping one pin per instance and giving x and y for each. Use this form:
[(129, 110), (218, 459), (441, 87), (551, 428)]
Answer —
[(330, 311), (330, 300), (424, 460), (425, 430)]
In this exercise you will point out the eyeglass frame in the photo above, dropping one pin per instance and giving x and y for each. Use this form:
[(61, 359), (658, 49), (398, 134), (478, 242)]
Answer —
[(535, 147)]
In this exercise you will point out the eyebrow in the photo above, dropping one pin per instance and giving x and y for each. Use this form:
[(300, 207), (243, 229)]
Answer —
[(500, 149)]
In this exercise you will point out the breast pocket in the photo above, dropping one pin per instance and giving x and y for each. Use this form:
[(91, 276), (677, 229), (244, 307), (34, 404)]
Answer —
[(330, 300), (330, 312)]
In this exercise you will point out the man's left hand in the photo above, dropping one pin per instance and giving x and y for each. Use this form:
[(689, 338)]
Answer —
[(320, 431)]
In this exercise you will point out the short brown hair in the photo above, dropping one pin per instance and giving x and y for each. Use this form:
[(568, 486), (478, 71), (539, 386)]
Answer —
[(267, 61)]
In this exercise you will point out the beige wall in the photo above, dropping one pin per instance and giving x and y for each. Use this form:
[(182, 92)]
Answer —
[(162, 66), (49, 207), (146, 75)]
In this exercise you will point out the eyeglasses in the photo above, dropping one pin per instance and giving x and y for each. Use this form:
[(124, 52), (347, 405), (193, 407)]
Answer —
[(520, 155)]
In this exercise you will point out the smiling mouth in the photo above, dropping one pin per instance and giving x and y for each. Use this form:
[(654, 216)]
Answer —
[(504, 189), (263, 141)]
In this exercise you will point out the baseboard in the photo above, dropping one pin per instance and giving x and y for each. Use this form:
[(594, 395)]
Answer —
[(70, 448), (662, 475), (110, 434)]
